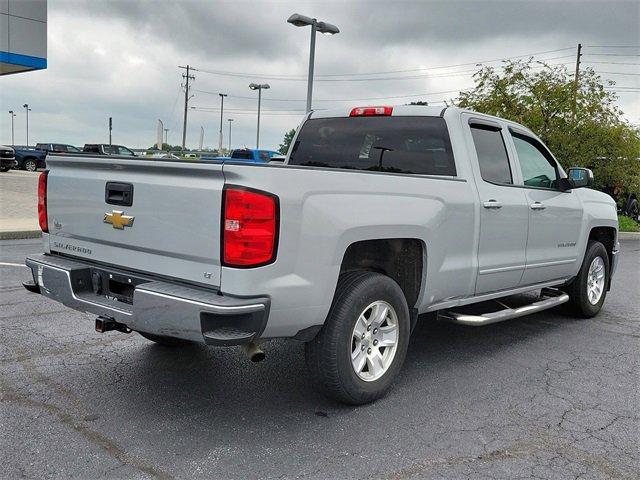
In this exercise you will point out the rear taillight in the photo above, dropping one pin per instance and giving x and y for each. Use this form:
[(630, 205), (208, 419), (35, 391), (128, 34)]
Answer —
[(250, 227), (42, 201), (371, 112)]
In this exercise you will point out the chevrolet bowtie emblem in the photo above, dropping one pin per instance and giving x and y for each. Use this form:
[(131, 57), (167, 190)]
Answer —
[(118, 220)]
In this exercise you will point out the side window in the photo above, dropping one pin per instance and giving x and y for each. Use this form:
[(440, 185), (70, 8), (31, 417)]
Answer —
[(538, 168), (492, 154), (59, 148)]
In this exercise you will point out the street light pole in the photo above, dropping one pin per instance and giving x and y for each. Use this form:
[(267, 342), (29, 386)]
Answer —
[(323, 27), (312, 55), (222, 95), (259, 87), (27, 109), (230, 120), (13, 141)]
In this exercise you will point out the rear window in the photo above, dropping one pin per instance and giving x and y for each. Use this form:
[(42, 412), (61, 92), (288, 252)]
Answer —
[(413, 145), (245, 154)]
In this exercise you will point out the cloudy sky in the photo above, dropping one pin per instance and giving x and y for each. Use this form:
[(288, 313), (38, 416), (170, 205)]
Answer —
[(121, 58)]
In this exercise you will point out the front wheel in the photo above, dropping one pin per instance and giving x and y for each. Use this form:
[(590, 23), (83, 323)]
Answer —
[(361, 347), (589, 289)]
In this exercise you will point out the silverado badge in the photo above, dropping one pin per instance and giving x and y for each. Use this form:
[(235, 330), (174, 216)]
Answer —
[(118, 220)]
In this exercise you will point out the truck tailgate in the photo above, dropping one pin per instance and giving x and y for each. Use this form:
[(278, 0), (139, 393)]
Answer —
[(175, 213)]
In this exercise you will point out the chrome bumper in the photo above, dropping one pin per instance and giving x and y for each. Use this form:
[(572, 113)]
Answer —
[(154, 306)]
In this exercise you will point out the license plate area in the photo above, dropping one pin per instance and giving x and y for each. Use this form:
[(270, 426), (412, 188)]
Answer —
[(113, 285)]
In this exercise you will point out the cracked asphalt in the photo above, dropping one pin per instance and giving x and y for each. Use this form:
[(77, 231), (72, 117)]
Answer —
[(545, 396)]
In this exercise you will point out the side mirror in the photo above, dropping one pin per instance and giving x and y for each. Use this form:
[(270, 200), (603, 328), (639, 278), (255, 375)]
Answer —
[(578, 177)]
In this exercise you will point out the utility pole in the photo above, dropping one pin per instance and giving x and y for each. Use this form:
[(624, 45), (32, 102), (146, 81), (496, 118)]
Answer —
[(576, 78), (186, 77), (222, 95), (230, 120), (110, 128)]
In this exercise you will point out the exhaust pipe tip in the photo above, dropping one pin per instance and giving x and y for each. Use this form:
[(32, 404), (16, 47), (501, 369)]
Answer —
[(254, 352)]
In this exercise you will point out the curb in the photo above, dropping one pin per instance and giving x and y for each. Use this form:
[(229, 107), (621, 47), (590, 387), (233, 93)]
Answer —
[(20, 234), (629, 236)]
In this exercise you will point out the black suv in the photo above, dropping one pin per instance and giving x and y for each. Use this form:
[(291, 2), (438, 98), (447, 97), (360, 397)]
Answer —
[(106, 149), (57, 148)]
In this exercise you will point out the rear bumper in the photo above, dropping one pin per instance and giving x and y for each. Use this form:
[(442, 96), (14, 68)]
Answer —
[(150, 305)]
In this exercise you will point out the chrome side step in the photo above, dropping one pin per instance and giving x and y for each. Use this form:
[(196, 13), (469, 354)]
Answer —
[(549, 298)]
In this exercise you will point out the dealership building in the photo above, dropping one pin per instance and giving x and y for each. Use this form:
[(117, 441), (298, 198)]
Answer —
[(23, 35)]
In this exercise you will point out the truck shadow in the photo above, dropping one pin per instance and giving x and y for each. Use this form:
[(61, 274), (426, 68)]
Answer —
[(220, 386)]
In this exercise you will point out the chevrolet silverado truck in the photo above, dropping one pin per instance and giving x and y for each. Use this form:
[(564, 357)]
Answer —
[(378, 215)]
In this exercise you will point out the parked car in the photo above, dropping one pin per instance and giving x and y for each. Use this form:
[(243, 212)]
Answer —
[(379, 214), (250, 155), (30, 159), (7, 158), (106, 149), (57, 148)]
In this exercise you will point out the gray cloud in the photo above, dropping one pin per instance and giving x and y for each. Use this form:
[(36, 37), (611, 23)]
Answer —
[(120, 59)]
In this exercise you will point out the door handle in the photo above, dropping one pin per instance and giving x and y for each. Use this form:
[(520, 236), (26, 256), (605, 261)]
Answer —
[(537, 206), (492, 204)]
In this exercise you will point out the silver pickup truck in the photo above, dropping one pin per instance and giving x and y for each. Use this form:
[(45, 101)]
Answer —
[(377, 215)]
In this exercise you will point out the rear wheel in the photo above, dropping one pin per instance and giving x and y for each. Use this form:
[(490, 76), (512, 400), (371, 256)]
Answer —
[(588, 290), (30, 165), (165, 341), (361, 347)]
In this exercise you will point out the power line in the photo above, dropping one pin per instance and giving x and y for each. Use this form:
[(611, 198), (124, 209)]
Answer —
[(612, 46), (341, 99), (612, 54), (303, 78), (612, 63)]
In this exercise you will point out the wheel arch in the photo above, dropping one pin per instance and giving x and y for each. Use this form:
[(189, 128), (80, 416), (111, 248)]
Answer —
[(401, 259), (606, 236)]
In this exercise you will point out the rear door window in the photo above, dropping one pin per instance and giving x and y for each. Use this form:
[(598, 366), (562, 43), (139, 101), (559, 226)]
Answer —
[(410, 145), (492, 154)]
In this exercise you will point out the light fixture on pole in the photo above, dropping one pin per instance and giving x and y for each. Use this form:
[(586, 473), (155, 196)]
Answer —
[(259, 87), (326, 28), (230, 120), (222, 95), (27, 110), (13, 141)]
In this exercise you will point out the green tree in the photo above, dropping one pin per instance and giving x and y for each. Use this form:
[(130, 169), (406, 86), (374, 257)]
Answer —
[(288, 137), (582, 126)]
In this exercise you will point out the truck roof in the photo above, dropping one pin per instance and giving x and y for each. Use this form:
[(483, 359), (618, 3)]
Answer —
[(398, 110), (412, 111)]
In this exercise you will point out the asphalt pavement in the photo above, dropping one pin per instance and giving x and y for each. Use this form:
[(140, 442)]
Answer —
[(545, 396)]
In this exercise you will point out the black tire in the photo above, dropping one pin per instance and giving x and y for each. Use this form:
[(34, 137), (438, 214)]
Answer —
[(579, 303), (633, 210), (30, 165), (165, 341), (328, 355)]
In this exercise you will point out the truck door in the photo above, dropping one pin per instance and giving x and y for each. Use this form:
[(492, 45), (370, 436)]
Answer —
[(503, 209), (555, 216)]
